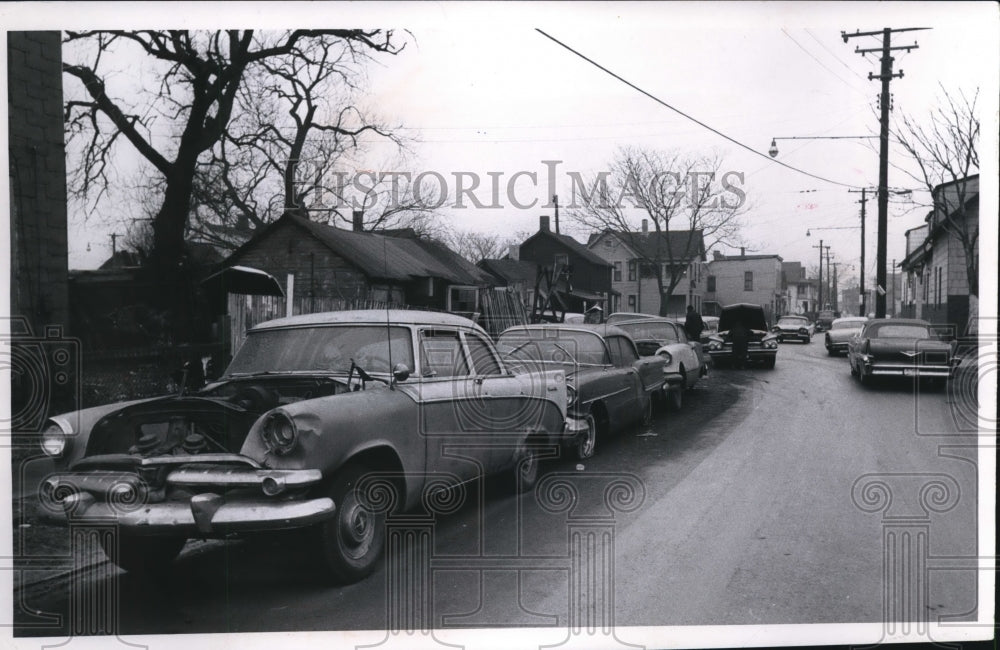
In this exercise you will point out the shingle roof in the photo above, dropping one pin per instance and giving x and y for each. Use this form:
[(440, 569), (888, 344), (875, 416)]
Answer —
[(387, 257), (574, 246), (511, 270), (680, 245)]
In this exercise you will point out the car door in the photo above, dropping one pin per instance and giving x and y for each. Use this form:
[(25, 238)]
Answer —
[(502, 411), (452, 416), (625, 370)]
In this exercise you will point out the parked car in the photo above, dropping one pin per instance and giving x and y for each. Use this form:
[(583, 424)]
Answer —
[(900, 347), (825, 319), (311, 410), (798, 328), (711, 327), (840, 333), (762, 346), (685, 362), (609, 384)]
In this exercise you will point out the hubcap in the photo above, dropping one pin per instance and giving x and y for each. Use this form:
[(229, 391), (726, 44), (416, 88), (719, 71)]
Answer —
[(357, 524)]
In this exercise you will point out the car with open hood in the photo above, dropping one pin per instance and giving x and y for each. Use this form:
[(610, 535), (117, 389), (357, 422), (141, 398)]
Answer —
[(610, 385), (901, 347), (762, 345), (685, 361), (792, 327), (841, 332), (326, 422)]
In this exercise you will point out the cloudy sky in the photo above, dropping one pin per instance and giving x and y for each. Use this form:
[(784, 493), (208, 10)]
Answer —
[(479, 90)]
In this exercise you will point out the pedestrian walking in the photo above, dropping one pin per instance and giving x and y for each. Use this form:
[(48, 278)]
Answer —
[(693, 324)]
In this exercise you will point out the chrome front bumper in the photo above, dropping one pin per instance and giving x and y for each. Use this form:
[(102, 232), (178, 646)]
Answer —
[(126, 500)]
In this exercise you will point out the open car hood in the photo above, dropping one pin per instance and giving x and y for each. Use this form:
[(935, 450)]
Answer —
[(752, 317)]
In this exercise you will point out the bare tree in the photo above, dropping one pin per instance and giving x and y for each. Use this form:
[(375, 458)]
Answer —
[(945, 150), (200, 76), (479, 246), (673, 193)]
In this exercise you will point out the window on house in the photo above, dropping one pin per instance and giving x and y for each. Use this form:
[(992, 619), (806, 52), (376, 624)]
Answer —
[(710, 284), (748, 281), (618, 271), (562, 260), (631, 270), (631, 302), (939, 286)]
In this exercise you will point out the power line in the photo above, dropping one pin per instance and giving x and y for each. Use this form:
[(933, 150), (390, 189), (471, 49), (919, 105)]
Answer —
[(834, 55), (693, 119), (823, 65)]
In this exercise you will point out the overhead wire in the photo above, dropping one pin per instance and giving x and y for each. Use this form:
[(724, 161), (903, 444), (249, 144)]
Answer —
[(689, 117)]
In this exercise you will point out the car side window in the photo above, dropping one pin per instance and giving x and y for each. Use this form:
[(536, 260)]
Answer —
[(622, 352), (441, 354), (483, 360)]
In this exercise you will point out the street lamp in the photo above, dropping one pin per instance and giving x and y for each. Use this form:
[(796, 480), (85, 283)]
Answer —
[(773, 151)]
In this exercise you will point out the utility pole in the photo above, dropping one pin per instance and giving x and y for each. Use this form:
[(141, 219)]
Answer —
[(819, 306), (861, 287), (829, 293), (835, 292), (893, 280), (555, 201), (885, 76), (114, 244)]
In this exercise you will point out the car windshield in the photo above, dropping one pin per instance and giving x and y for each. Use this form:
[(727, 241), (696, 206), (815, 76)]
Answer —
[(651, 330), (848, 324), (899, 331), (564, 347), (325, 349), (827, 314), (797, 322)]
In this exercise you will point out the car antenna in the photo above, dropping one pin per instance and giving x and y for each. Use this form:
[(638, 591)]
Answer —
[(388, 328)]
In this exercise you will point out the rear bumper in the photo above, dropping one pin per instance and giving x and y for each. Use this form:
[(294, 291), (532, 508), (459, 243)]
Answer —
[(903, 370), (206, 507)]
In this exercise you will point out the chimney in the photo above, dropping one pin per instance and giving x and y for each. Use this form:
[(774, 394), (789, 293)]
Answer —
[(543, 223), (645, 226), (514, 252), (358, 220), (716, 255), (743, 251)]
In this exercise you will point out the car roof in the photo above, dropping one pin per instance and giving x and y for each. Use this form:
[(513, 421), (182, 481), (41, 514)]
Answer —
[(601, 329), (846, 319), (800, 316), (371, 316), (898, 321)]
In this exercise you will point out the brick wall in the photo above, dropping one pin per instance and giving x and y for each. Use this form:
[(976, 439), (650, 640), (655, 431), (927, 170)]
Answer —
[(37, 179)]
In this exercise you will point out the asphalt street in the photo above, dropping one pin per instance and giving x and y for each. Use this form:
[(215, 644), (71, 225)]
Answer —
[(770, 498)]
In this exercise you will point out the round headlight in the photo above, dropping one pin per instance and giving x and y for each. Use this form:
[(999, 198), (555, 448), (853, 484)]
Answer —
[(279, 433), (53, 440), (570, 394), (667, 359)]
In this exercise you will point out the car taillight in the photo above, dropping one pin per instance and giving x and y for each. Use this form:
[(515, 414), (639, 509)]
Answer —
[(279, 433)]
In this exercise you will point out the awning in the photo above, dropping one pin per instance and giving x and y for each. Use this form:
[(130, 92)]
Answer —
[(587, 295), (245, 280)]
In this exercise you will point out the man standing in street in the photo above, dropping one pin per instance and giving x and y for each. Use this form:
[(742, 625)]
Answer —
[(693, 324)]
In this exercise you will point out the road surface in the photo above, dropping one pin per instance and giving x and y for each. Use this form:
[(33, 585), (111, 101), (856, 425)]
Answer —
[(772, 497)]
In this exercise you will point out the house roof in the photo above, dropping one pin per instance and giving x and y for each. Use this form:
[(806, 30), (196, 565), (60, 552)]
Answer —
[(670, 244), (743, 258), (572, 245), (380, 256), (511, 270)]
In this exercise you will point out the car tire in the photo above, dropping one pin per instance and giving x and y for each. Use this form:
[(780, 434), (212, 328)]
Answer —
[(830, 351), (350, 543), (854, 372), (865, 380), (675, 400), (647, 412), (141, 554), (528, 466), (586, 442), (769, 363)]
